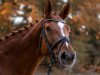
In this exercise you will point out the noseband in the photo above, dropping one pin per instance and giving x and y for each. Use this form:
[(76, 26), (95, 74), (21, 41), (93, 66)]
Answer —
[(50, 46)]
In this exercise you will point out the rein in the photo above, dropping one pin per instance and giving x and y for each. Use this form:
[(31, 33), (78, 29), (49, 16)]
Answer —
[(50, 46)]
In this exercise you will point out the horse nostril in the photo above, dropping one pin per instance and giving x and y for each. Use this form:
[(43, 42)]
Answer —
[(64, 55), (72, 57)]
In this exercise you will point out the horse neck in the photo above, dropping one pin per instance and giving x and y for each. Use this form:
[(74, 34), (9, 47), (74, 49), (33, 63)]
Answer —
[(31, 43), (24, 55)]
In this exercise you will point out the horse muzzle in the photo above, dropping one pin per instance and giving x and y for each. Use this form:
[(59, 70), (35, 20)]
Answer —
[(66, 60)]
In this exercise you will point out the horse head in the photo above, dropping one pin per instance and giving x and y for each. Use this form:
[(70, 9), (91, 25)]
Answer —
[(55, 37)]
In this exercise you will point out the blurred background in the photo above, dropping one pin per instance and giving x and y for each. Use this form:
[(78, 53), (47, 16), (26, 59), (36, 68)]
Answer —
[(83, 18)]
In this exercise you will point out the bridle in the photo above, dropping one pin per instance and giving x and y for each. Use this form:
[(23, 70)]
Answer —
[(50, 46)]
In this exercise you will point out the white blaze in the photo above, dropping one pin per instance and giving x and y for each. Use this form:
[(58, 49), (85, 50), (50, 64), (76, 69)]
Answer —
[(65, 1), (61, 25), (67, 44)]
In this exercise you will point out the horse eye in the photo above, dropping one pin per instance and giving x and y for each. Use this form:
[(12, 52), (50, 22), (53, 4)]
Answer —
[(48, 29)]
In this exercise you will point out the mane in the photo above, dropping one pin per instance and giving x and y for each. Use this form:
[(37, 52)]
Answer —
[(18, 31), (15, 36), (15, 32)]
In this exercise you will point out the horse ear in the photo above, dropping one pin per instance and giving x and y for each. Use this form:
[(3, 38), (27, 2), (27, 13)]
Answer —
[(48, 8), (64, 13)]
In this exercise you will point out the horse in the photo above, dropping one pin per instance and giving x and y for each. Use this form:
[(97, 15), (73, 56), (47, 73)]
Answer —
[(22, 50)]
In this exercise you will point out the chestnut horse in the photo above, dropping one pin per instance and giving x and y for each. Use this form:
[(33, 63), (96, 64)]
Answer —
[(21, 51)]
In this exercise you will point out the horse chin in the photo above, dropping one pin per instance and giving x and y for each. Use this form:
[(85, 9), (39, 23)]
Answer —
[(64, 64)]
